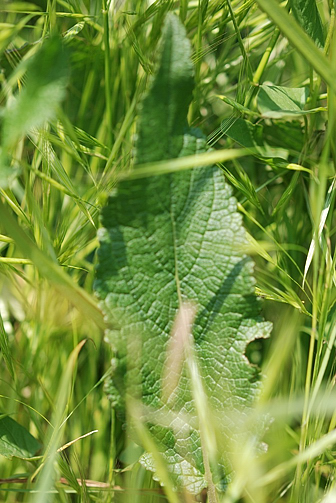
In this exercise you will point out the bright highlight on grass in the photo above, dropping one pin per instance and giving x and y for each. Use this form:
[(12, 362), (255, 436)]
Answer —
[(143, 371)]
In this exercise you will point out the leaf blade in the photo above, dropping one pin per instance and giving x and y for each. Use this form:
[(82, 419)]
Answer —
[(278, 101), (165, 109), (15, 440), (307, 15), (37, 102)]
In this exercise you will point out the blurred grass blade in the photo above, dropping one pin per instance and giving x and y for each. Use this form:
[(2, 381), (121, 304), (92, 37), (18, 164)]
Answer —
[(330, 497), (46, 79), (46, 479), (149, 444), (5, 349), (326, 360), (183, 163), (314, 450), (7, 35), (177, 346), (300, 40)]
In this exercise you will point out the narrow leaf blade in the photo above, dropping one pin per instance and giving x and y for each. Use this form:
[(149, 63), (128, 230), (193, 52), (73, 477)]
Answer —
[(251, 136)]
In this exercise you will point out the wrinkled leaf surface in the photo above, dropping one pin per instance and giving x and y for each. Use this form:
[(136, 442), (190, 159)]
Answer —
[(166, 240)]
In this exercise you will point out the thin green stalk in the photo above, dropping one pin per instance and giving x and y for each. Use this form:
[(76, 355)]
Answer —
[(194, 109), (332, 95), (125, 126), (112, 456), (315, 334), (265, 58), (47, 466), (300, 40), (183, 10), (325, 276), (323, 367), (240, 41), (107, 59), (261, 67), (15, 261), (51, 10)]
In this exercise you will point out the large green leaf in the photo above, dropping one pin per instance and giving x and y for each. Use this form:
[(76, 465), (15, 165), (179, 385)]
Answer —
[(167, 240), (164, 111), (15, 440), (307, 15)]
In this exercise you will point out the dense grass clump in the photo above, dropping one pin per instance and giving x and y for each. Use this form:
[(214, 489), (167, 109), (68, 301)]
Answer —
[(73, 78)]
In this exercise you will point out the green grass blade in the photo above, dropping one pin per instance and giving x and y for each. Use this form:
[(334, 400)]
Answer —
[(300, 40), (50, 270)]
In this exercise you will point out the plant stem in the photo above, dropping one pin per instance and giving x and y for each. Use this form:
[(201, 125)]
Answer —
[(107, 59), (183, 10)]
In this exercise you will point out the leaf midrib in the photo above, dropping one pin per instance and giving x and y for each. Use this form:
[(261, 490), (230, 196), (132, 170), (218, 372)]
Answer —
[(175, 245)]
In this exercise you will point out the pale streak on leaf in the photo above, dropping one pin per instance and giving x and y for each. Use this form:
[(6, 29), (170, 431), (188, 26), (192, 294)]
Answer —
[(177, 345)]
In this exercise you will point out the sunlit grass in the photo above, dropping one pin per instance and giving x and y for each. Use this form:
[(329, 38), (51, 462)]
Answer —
[(54, 181)]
